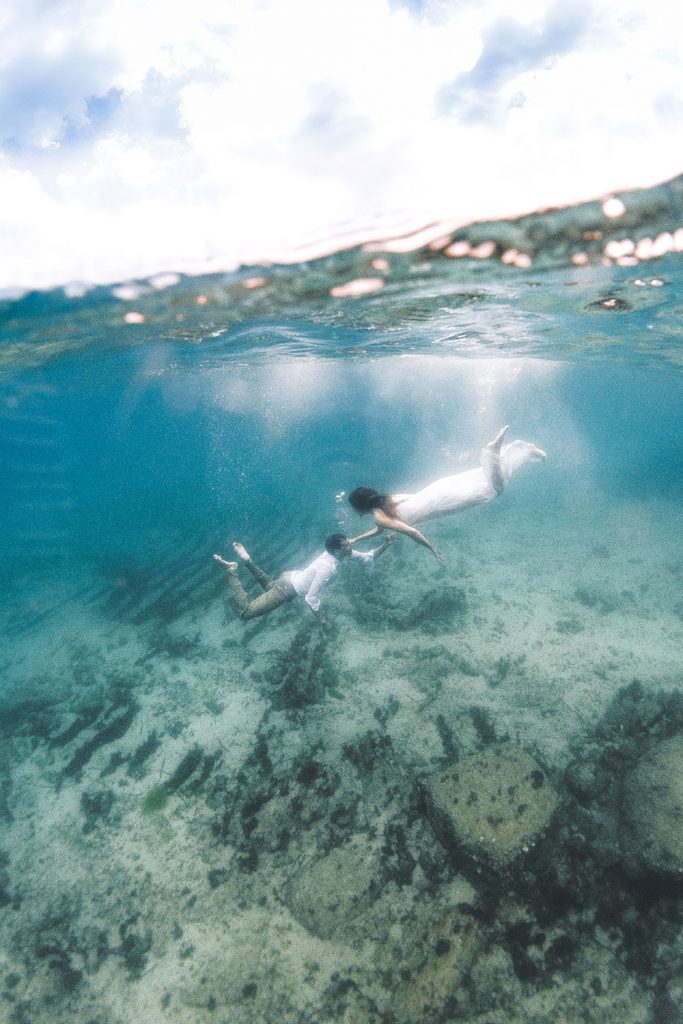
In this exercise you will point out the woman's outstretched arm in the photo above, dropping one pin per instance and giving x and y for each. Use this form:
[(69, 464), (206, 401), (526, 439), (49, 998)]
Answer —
[(386, 522), (363, 536)]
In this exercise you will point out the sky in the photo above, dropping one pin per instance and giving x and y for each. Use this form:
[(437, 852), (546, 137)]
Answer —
[(148, 136)]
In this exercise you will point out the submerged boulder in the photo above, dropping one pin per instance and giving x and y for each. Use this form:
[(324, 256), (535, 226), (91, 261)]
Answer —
[(652, 833), (437, 990), (325, 895), (495, 803)]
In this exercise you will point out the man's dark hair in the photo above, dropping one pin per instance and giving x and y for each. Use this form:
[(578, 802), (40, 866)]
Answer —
[(335, 542)]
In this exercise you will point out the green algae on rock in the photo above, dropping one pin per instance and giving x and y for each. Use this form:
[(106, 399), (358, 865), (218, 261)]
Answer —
[(495, 803), (156, 800)]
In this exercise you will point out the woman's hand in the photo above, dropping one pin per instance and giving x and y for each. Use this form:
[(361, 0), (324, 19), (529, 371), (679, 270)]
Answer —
[(388, 523)]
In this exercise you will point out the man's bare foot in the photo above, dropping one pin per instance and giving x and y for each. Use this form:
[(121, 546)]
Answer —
[(230, 566), (241, 551), (498, 440)]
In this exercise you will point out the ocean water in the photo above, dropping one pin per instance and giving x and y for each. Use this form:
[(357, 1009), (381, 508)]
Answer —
[(463, 801)]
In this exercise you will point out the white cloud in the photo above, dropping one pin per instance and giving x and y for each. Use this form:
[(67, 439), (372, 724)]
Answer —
[(146, 136)]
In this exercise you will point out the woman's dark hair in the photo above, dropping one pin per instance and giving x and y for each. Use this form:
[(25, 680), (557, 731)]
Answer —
[(335, 542), (364, 499)]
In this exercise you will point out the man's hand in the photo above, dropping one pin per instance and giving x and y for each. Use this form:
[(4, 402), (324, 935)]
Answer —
[(389, 540)]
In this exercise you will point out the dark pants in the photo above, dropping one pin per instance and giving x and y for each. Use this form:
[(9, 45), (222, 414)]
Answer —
[(276, 592)]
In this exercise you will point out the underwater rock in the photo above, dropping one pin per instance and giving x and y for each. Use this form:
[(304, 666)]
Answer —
[(187, 767), (493, 981), (303, 674), (136, 942), (653, 808), (5, 897), (114, 727), (96, 807), (5, 785), (437, 991), (325, 895), (83, 720), (367, 750), (137, 764), (438, 610), (495, 803), (59, 948)]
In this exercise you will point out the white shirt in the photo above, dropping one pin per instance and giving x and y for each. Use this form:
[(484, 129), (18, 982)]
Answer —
[(309, 582)]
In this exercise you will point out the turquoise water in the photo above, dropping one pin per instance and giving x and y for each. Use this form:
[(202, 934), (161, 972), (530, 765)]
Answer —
[(210, 820)]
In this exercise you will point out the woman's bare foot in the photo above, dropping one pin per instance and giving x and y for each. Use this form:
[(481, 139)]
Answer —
[(241, 551), (498, 440), (230, 566)]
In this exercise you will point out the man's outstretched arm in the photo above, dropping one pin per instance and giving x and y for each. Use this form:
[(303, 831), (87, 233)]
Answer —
[(376, 552)]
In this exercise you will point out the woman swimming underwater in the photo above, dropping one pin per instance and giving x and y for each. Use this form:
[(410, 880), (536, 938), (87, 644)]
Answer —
[(449, 494)]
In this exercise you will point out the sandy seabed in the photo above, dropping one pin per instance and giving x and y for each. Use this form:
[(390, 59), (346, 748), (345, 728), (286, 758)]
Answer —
[(206, 821)]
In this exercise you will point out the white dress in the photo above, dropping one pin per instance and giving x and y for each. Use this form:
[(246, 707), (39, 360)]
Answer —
[(465, 490)]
